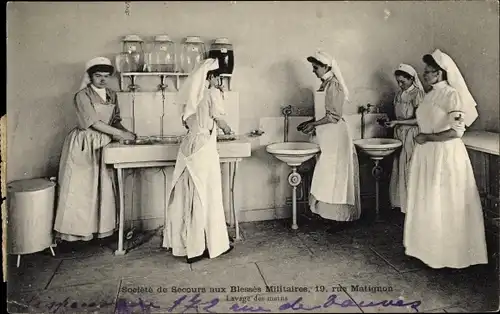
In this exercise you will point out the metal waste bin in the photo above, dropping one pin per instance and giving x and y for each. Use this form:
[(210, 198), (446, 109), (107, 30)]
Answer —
[(30, 216)]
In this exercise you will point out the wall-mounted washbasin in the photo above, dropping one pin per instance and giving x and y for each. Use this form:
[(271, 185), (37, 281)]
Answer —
[(378, 147), (226, 137), (293, 153), (173, 139)]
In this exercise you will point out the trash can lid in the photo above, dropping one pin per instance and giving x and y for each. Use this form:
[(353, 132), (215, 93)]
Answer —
[(30, 185)]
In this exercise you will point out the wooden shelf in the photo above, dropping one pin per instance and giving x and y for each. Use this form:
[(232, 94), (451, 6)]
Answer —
[(177, 75)]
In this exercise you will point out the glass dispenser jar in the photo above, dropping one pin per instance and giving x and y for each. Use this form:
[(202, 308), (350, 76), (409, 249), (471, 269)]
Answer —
[(222, 50), (132, 57), (162, 56), (193, 52)]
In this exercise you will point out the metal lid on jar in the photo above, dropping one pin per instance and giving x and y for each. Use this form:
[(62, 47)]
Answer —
[(132, 38), (222, 40), (163, 38), (194, 40)]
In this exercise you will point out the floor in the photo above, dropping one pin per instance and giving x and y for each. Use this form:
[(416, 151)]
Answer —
[(351, 269)]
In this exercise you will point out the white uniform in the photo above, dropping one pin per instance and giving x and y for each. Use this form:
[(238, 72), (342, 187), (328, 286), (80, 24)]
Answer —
[(194, 219), (335, 184), (444, 224)]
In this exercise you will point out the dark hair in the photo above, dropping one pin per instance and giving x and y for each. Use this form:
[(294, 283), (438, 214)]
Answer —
[(429, 60), (404, 74), (100, 68), (316, 62), (215, 73)]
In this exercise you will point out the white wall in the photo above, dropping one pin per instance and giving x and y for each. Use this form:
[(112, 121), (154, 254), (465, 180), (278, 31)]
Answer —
[(49, 43)]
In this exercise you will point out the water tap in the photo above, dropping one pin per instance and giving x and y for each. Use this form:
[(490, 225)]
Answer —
[(364, 109), (287, 110), (133, 87), (162, 85)]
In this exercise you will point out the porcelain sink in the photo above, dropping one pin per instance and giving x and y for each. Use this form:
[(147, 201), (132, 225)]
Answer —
[(151, 140), (293, 153), (378, 147)]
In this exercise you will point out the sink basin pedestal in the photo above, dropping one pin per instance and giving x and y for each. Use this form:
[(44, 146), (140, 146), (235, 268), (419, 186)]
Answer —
[(294, 154), (377, 149), (377, 172), (294, 179)]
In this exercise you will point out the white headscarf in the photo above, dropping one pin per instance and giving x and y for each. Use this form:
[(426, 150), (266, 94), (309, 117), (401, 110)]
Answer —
[(456, 80), (411, 71), (91, 63), (191, 92), (328, 60)]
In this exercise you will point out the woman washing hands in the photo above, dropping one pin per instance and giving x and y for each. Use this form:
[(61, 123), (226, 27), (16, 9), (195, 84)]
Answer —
[(335, 184), (307, 127), (124, 136), (405, 127), (86, 201), (217, 95), (195, 224)]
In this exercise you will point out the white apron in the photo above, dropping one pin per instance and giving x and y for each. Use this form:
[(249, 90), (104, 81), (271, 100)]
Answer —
[(444, 224), (335, 184), (192, 219)]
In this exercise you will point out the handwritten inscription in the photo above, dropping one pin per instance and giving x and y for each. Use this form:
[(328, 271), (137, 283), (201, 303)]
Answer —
[(125, 306), (236, 304), (68, 304), (196, 303)]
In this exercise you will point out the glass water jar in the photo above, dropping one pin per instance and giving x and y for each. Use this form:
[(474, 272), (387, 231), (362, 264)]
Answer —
[(162, 57), (193, 52), (132, 57), (222, 50)]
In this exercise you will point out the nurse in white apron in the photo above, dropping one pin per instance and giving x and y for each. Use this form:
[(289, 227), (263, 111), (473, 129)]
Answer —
[(444, 225), (405, 127), (195, 225), (86, 205), (335, 186)]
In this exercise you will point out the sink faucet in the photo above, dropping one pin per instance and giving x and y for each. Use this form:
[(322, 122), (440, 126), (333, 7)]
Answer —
[(286, 111), (363, 110)]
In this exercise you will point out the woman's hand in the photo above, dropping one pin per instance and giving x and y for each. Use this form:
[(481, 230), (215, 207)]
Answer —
[(301, 126), (309, 128), (126, 135), (391, 124), (224, 126), (421, 138)]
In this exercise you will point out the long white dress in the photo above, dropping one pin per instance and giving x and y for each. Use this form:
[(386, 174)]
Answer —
[(335, 185), (405, 104), (87, 200), (194, 219), (444, 224)]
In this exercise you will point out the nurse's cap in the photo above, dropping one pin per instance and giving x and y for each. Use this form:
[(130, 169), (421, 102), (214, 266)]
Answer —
[(321, 57), (99, 61)]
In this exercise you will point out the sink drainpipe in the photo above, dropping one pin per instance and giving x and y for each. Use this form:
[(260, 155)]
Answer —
[(305, 186), (286, 111), (363, 110)]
